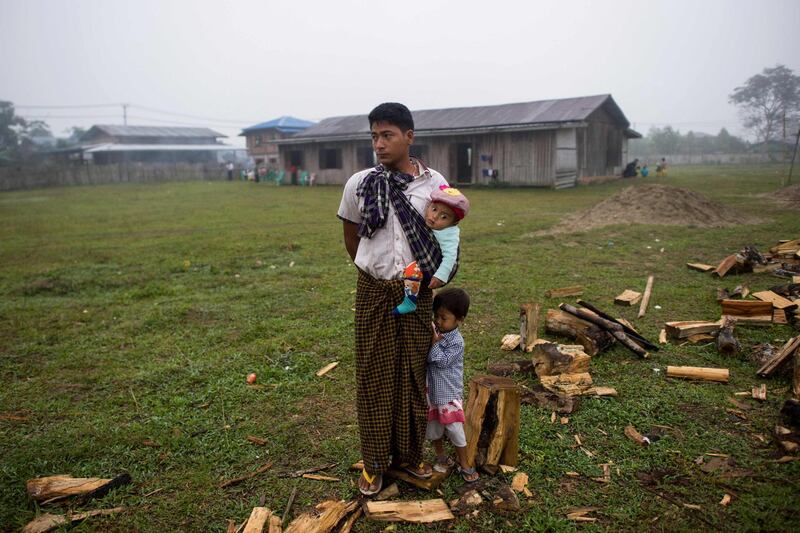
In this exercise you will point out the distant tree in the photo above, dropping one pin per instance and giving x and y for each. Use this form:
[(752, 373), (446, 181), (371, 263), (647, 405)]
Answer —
[(11, 125), (766, 99), (666, 141)]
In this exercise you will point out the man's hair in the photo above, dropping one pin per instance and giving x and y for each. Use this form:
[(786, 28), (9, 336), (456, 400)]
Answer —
[(454, 300), (393, 113)]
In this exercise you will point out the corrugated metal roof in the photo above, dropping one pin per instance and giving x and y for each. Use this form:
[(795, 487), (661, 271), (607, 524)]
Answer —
[(283, 124), (152, 131), (112, 147), (504, 115)]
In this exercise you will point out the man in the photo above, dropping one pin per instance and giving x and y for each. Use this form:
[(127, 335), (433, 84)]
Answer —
[(381, 212)]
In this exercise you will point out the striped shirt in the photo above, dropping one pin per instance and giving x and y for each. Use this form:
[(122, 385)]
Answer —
[(446, 369)]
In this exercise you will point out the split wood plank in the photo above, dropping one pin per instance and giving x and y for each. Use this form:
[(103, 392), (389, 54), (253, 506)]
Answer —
[(351, 520), (779, 317), (62, 486), (726, 265), (682, 330), (568, 384), (648, 290), (509, 342), (782, 356), (563, 292), (601, 391), (700, 373), (528, 326), (760, 392), (628, 297), (778, 301), (747, 308), (422, 511), (662, 336), (327, 368), (700, 267), (505, 435), (259, 517)]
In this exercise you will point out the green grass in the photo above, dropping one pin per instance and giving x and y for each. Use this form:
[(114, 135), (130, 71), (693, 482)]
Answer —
[(134, 312)]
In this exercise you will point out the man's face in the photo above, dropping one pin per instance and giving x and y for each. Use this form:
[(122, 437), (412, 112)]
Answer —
[(390, 144), (439, 216)]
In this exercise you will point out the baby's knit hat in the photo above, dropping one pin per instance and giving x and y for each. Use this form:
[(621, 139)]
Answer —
[(453, 198)]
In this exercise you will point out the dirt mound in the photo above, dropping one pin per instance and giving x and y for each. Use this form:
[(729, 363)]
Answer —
[(651, 204), (788, 196)]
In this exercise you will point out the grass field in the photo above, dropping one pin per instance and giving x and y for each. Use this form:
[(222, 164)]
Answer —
[(131, 314)]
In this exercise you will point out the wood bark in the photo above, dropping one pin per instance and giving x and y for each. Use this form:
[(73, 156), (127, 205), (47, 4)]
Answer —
[(614, 328), (551, 358), (48, 522), (53, 488), (593, 338), (509, 368), (626, 327), (727, 344), (648, 290), (700, 373), (528, 325)]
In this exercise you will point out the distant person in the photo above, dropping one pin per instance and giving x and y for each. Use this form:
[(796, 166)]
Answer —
[(446, 382), (229, 168), (661, 168), (645, 171), (630, 169)]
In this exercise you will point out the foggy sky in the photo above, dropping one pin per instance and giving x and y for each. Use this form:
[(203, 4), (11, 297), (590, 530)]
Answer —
[(237, 63)]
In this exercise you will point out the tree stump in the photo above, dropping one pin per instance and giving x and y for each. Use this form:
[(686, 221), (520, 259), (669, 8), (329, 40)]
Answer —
[(492, 422)]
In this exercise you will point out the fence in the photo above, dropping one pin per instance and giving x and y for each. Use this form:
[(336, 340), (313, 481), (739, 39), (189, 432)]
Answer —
[(710, 159), (32, 177)]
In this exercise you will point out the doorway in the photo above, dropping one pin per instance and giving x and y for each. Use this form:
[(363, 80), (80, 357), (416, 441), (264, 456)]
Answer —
[(463, 162)]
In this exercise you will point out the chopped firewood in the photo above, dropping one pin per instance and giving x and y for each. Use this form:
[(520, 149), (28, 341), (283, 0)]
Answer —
[(568, 384), (519, 482), (327, 368), (627, 328), (700, 267), (347, 526), (628, 297), (324, 517), (506, 501), (550, 358), (781, 357), (257, 440), (234, 481), (563, 292), (778, 301), (319, 477), (548, 400), (779, 317), (300, 473), (746, 308), (564, 420), (553, 417), (510, 342), (9, 417), (424, 511), (601, 391), (506, 469), (528, 326), (389, 492), (693, 506), (635, 436), (493, 407), (699, 338), (616, 329), (760, 393), (726, 499), (593, 338), (509, 368), (700, 373), (662, 336), (258, 519), (572, 474), (48, 522), (579, 514), (467, 501), (648, 290), (727, 344), (52, 488), (785, 246), (578, 440), (682, 330)]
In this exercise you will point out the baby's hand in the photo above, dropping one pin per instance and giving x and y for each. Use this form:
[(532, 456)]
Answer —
[(435, 283), (436, 335)]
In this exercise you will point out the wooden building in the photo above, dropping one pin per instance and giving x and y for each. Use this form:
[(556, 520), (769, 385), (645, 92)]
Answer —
[(550, 143), (259, 136), (112, 144)]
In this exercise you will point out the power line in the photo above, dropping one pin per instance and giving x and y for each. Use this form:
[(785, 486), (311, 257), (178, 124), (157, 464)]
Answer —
[(84, 106), (184, 115)]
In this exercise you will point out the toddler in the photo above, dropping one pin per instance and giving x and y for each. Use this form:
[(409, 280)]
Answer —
[(445, 210), (446, 381)]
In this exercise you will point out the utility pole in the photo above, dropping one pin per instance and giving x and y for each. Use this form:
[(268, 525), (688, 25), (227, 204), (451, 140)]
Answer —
[(125, 114)]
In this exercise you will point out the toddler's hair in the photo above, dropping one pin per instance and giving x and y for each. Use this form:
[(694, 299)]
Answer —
[(454, 300)]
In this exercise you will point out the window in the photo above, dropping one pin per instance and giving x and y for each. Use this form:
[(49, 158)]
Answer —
[(420, 151), (258, 140), (365, 156), (330, 158)]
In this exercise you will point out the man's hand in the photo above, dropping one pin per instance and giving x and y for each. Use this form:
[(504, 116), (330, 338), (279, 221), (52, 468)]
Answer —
[(351, 238), (436, 335), (435, 283)]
